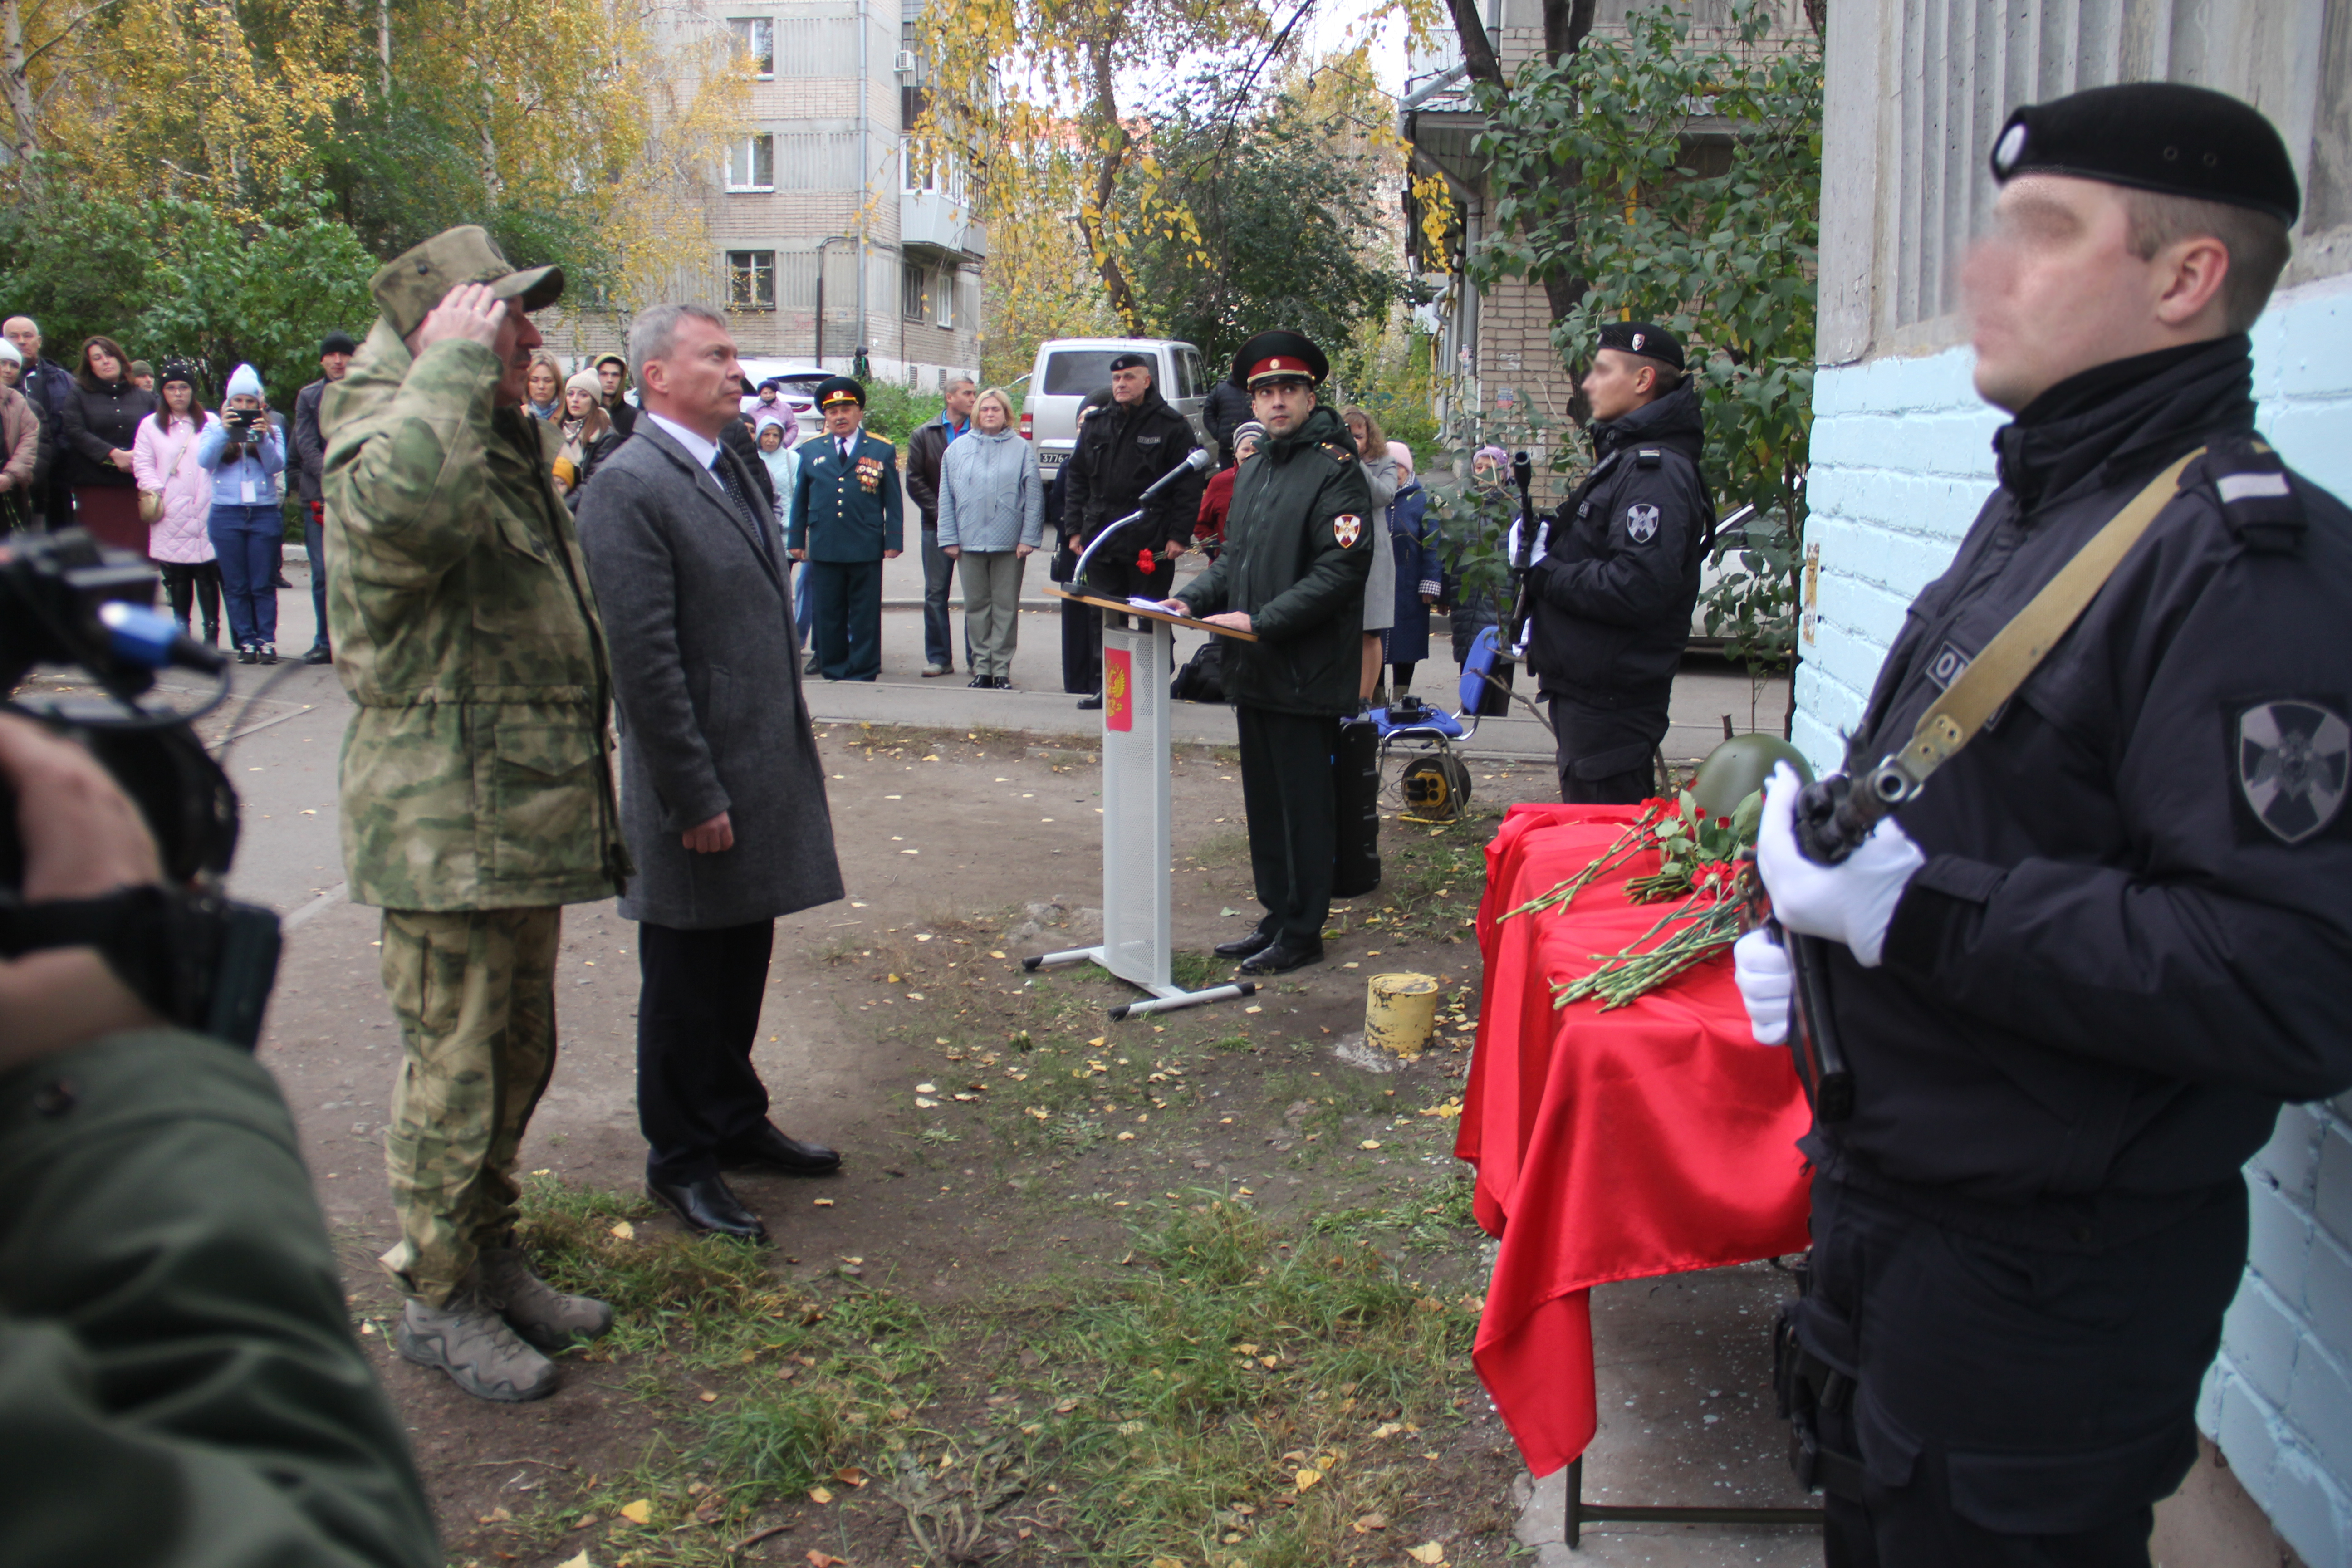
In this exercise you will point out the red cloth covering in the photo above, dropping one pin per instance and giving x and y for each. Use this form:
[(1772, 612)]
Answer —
[(1610, 1145)]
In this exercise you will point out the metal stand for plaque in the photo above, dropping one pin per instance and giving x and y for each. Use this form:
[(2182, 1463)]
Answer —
[(1137, 854)]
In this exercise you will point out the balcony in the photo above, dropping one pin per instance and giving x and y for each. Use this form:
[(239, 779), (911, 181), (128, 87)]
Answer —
[(933, 220)]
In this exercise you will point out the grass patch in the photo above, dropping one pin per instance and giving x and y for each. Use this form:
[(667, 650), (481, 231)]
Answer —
[(1248, 1400)]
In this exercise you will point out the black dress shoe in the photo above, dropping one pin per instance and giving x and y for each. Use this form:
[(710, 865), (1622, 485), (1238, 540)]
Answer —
[(979, 680), (769, 1149), (1094, 701), (707, 1204), (1280, 958), (319, 654), (1002, 683), (1242, 947)]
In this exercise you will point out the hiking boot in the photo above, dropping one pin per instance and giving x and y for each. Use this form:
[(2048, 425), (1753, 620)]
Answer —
[(468, 1340), (534, 1308)]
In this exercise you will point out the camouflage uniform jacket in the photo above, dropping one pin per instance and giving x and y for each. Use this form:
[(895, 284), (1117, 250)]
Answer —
[(476, 773)]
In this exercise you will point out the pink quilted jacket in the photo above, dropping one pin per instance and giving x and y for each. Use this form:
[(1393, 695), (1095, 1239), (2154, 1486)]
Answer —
[(156, 463)]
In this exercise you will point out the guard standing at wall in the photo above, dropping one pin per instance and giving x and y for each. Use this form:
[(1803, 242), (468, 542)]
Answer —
[(477, 787), (1298, 549), (2074, 977), (846, 517), (1613, 591)]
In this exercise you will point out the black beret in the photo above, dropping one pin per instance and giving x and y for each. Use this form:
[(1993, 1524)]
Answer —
[(337, 343), (1278, 356), (835, 389), (1133, 361), (1644, 338), (2163, 136)]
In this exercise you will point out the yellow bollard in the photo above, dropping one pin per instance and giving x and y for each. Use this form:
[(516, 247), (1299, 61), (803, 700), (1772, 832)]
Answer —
[(1400, 1012)]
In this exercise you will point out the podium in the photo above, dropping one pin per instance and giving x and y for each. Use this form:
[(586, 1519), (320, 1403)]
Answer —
[(1137, 854)]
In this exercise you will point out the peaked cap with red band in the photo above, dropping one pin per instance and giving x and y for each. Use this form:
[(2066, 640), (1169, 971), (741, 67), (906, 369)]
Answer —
[(1278, 356)]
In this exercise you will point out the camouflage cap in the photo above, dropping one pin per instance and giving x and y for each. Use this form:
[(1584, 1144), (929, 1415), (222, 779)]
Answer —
[(413, 283)]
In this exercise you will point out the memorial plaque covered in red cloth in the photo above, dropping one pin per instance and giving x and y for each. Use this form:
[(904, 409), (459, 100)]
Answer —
[(1645, 1139)]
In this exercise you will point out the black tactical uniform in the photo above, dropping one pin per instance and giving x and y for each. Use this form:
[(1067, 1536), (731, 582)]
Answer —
[(1298, 546), (2129, 943), (1121, 450), (1613, 596)]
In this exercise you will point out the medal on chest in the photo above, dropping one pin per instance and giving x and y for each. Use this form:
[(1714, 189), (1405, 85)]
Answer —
[(869, 474)]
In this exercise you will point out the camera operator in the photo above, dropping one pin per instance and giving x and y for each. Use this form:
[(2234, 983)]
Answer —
[(245, 452), (179, 1383)]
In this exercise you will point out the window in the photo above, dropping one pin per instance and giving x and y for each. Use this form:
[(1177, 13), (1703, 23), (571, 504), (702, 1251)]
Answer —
[(925, 169), (756, 37), (751, 279), (914, 291), (752, 163), (945, 292), (1076, 373)]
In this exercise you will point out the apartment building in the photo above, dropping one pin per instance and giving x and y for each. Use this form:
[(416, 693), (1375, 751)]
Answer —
[(828, 233)]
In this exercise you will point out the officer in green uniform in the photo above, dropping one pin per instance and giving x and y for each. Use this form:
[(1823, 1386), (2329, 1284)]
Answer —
[(846, 513), (1298, 549), (179, 1381), (477, 788)]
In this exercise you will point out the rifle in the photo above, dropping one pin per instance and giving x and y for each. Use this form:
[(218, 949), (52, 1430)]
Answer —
[(1523, 557), (1813, 1040)]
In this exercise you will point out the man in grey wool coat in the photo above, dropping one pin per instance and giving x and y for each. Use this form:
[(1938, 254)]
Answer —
[(722, 793)]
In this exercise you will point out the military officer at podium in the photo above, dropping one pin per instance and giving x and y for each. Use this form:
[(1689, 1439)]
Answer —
[(1298, 548), (846, 511)]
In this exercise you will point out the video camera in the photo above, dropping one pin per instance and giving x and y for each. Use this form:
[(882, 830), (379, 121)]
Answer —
[(195, 957)]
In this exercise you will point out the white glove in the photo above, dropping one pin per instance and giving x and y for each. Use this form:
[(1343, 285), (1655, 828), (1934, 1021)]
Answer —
[(1767, 980), (1851, 902)]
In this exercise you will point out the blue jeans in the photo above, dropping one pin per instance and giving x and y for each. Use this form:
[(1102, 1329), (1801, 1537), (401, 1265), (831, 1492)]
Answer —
[(246, 541), (938, 573), (314, 539)]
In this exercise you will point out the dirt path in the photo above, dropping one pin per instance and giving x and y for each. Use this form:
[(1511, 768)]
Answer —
[(1011, 1162)]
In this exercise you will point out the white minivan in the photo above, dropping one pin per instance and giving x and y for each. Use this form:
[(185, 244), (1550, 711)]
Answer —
[(1069, 369)]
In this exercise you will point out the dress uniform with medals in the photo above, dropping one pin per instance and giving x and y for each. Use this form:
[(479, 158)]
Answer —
[(1613, 591), (2076, 974), (847, 515), (1299, 550)]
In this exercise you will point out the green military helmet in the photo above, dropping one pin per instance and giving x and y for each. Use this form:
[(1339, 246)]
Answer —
[(1737, 769)]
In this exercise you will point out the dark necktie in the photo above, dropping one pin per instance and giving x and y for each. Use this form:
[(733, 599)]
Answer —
[(723, 471)]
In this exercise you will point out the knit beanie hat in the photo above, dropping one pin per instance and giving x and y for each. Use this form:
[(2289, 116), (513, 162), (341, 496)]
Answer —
[(244, 381), (585, 381), (177, 369), (8, 352)]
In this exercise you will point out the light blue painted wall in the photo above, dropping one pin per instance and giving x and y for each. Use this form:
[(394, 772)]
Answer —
[(1902, 459)]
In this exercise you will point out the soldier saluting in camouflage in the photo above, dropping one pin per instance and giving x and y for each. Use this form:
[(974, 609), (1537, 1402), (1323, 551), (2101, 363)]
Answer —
[(477, 790)]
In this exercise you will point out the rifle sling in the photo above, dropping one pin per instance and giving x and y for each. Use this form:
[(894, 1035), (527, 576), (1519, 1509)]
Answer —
[(1993, 677)]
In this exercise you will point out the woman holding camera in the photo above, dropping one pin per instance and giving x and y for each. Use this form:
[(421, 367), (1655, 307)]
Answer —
[(245, 454)]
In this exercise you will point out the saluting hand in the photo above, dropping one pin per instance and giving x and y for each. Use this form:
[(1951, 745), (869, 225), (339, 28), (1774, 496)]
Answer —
[(468, 311)]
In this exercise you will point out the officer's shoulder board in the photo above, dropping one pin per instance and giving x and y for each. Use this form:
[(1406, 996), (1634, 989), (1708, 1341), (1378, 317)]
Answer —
[(1339, 452), (2257, 495), (1649, 457)]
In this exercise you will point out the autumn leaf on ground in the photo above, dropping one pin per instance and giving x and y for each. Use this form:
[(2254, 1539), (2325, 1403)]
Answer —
[(1429, 1553), (850, 1475), (623, 1231), (825, 1560), (579, 1562), (820, 1495), (639, 1511), (1307, 1478)]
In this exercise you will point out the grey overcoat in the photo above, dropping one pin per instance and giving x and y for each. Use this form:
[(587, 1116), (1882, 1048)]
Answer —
[(698, 608)]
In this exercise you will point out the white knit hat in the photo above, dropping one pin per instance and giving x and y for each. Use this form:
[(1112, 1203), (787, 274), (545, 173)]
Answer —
[(244, 381)]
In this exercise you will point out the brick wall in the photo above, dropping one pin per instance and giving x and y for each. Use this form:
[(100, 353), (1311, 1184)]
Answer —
[(1901, 462)]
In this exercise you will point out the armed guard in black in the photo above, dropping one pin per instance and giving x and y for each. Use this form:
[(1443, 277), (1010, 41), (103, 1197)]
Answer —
[(2075, 916), (1614, 593)]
